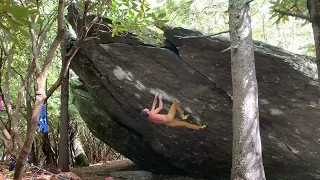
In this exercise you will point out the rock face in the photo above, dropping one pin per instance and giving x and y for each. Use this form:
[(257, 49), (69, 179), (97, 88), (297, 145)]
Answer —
[(120, 76)]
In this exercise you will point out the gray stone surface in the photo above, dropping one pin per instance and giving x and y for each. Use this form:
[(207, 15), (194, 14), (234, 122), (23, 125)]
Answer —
[(133, 175), (120, 78)]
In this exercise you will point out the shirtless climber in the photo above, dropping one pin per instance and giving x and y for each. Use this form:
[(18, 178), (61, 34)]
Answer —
[(168, 119)]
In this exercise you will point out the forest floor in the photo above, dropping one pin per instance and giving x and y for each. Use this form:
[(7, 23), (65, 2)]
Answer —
[(93, 172)]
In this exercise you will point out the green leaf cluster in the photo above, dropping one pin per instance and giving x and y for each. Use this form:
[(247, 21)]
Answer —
[(14, 18), (134, 16), (293, 6)]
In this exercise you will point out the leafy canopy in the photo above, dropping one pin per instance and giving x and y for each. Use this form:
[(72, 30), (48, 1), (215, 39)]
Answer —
[(291, 6), (14, 17)]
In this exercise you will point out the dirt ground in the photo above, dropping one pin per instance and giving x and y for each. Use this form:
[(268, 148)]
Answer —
[(93, 172), (101, 171)]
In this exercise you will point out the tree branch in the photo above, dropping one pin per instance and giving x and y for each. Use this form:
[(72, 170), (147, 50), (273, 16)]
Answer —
[(23, 86), (21, 77), (14, 115), (6, 99), (55, 44), (69, 56), (301, 16), (51, 19), (33, 39), (248, 2)]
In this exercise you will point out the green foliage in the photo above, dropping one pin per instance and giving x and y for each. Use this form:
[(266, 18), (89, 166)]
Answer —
[(175, 11), (128, 15), (14, 17), (280, 10), (134, 16), (292, 6), (211, 16)]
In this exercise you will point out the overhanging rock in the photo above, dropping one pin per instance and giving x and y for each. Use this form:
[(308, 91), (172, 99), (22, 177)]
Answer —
[(120, 76)]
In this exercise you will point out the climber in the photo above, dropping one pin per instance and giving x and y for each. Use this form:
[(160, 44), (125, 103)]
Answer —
[(168, 119)]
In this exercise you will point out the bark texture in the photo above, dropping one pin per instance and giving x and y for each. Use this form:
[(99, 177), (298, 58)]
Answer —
[(48, 152), (246, 150), (64, 123), (80, 158), (314, 11)]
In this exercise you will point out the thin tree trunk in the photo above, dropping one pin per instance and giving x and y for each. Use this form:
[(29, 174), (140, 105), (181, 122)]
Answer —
[(46, 148), (13, 115), (31, 130), (81, 159), (64, 123), (37, 150), (314, 11), (79, 155), (56, 142), (33, 154), (29, 111), (246, 152), (28, 99)]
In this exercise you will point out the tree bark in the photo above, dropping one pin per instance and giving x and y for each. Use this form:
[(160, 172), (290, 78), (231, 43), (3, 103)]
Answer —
[(80, 157), (47, 150), (33, 154), (13, 116), (31, 130), (314, 12), (64, 123), (246, 152), (29, 112)]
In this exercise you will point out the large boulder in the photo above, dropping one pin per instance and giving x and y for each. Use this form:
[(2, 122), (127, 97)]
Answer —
[(119, 77)]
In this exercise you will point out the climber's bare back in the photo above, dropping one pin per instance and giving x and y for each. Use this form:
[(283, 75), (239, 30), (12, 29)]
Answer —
[(157, 118)]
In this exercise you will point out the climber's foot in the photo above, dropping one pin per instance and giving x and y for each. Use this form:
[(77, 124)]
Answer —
[(184, 117), (203, 126)]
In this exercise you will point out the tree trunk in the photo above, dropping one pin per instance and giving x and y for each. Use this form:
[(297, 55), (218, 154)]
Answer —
[(314, 11), (29, 113), (56, 142), (246, 152), (28, 99), (64, 123), (31, 131), (81, 160), (79, 156), (33, 154), (48, 152)]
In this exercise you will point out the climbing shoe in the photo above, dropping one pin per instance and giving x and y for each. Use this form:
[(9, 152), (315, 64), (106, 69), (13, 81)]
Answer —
[(184, 117)]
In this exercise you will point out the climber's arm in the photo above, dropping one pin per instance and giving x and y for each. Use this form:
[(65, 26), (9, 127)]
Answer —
[(154, 101), (160, 105)]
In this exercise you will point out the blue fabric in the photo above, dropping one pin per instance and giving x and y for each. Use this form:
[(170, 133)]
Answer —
[(42, 123)]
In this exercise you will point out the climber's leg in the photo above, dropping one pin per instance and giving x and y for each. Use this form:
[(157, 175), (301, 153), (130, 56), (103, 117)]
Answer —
[(181, 112), (177, 123), (172, 112)]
